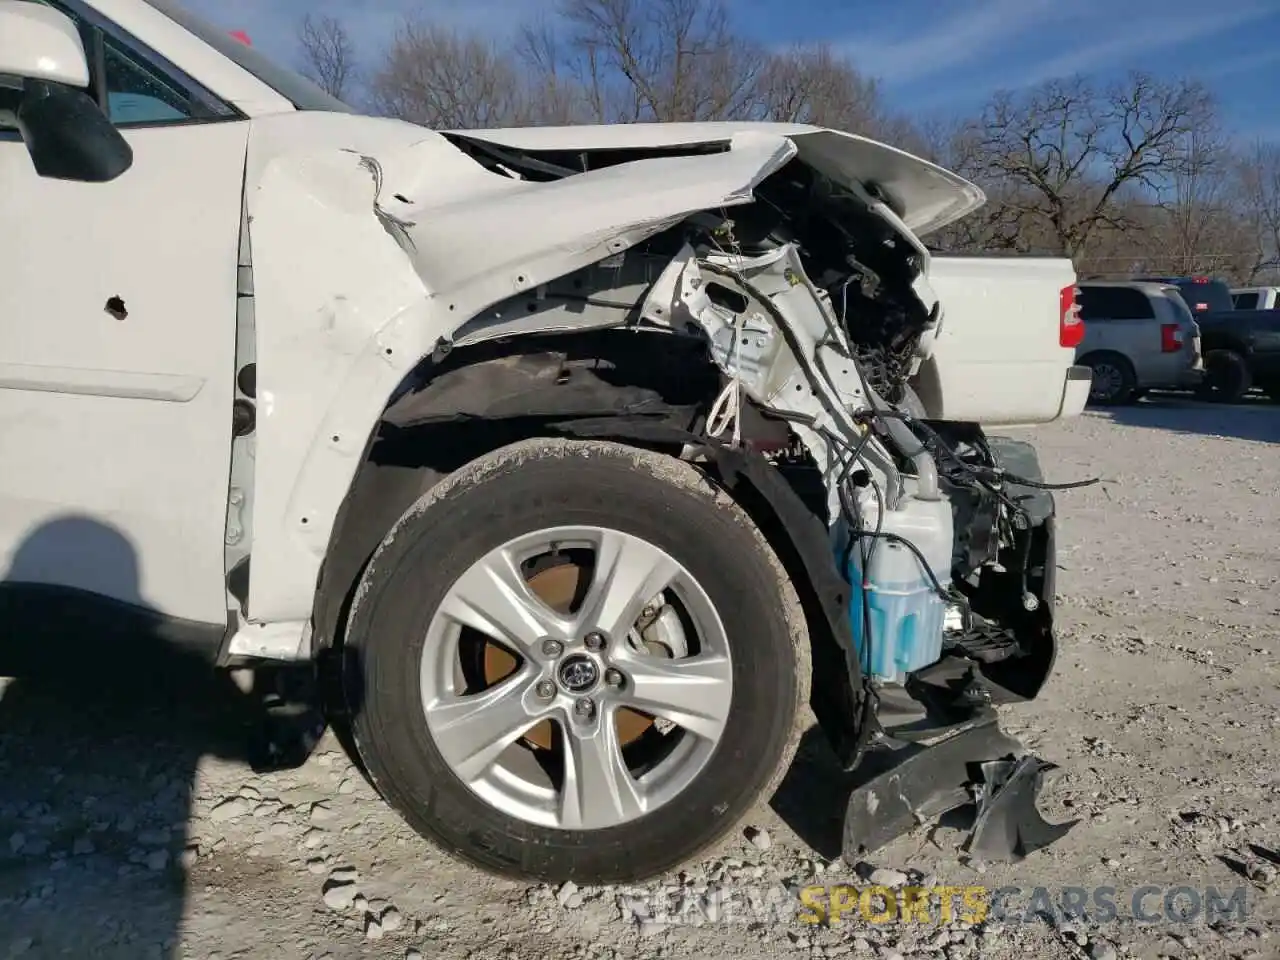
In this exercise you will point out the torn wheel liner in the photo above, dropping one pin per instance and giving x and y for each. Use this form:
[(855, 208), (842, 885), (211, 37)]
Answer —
[(975, 764)]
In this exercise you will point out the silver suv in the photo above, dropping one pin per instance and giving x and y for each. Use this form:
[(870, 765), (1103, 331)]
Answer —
[(1138, 336)]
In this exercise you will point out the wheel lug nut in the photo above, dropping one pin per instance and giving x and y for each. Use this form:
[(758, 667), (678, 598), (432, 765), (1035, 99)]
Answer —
[(584, 708), (545, 689), (594, 641), (552, 648), (613, 677)]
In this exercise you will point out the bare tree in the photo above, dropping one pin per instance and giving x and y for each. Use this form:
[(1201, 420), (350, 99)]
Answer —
[(815, 85), (1069, 157), (328, 55), (1197, 227), (564, 86), (665, 60), (1001, 224), (1258, 178), (443, 79)]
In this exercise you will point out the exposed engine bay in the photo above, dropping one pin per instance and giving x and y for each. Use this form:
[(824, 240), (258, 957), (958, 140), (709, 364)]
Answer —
[(816, 309), (788, 329), (867, 269)]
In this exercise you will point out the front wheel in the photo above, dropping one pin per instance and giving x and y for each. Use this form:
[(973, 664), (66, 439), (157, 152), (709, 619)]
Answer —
[(575, 660)]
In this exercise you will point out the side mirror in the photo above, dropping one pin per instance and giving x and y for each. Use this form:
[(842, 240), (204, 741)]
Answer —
[(38, 42), (66, 133)]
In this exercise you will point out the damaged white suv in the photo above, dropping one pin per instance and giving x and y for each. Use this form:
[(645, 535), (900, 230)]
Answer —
[(585, 459)]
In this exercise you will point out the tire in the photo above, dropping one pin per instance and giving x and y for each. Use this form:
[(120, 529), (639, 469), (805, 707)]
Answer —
[(1227, 377), (1114, 380), (519, 490)]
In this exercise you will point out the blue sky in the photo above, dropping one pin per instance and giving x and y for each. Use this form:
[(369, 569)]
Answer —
[(935, 57)]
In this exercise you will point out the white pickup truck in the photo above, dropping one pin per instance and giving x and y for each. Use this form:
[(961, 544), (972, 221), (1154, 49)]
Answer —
[(1255, 298), (583, 458)]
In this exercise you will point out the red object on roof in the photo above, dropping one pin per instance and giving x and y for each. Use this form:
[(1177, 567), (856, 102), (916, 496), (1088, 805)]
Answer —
[(242, 37)]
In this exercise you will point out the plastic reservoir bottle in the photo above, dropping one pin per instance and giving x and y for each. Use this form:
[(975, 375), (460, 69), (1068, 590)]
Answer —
[(905, 612)]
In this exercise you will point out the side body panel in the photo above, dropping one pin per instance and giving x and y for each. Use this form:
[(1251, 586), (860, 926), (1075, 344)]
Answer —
[(117, 339)]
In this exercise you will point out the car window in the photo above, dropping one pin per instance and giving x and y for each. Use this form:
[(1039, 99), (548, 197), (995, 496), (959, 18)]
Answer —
[(1245, 301), (297, 89), (1114, 303), (1205, 296), (1093, 304), (137, 93), (134, 86)]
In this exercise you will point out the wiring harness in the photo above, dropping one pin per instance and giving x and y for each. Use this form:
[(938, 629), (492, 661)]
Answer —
[(853, 469)]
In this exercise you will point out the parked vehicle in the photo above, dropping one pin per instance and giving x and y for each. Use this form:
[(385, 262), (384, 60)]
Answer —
[(1202, 295), (996, 318), (579, 458), (1241, 347), (1242, 351), (1137, 336), (1255, 298)]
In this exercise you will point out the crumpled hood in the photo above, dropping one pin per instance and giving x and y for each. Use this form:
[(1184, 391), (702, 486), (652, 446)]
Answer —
[(927, 197), (466, 229)]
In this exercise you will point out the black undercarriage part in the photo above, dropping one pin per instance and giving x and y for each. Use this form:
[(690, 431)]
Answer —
[(974, 764)]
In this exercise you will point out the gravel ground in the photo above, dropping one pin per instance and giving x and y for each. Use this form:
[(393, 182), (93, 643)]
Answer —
[(132, 827)]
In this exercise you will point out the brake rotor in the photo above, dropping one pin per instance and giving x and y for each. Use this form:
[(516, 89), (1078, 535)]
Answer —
[(558, 585)]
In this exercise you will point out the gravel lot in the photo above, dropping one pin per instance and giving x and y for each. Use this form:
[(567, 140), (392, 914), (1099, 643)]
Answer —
[(131, 826)]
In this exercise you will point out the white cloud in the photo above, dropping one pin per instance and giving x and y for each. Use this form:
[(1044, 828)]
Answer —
[(1237, 65), (1161, 29), (976, 32)]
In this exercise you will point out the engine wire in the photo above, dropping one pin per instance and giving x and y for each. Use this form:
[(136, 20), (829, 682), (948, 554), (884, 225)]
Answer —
[(728, 406)]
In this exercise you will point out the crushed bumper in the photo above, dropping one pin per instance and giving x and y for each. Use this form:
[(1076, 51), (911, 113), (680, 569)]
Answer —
[(975, 764)]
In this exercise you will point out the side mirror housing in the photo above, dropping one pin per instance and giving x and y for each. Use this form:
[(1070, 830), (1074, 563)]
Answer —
[(68, 136), (38, 42), (66, 133)]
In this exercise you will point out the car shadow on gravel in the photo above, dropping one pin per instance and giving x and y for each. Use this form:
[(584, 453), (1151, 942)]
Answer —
[(99, 747), (812, 796), (1255, 419)]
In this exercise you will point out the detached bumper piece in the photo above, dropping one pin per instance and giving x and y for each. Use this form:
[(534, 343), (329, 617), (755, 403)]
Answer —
[(974, 764)]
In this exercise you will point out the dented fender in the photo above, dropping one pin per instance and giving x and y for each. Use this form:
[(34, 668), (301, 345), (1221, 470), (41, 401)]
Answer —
[(366, 257)]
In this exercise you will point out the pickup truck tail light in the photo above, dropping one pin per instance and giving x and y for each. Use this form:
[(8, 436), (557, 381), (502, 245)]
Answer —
[(1170, 338), (1070, 326)]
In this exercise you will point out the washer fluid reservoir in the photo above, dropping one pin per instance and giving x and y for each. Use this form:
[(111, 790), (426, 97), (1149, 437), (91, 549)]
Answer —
[(892, 594)]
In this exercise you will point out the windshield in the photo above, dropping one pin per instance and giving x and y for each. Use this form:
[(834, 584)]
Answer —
[(297, 89), (1201, 294), (1205, 296)]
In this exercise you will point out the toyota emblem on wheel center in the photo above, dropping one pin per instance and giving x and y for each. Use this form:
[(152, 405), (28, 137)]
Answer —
[(579, 674)]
